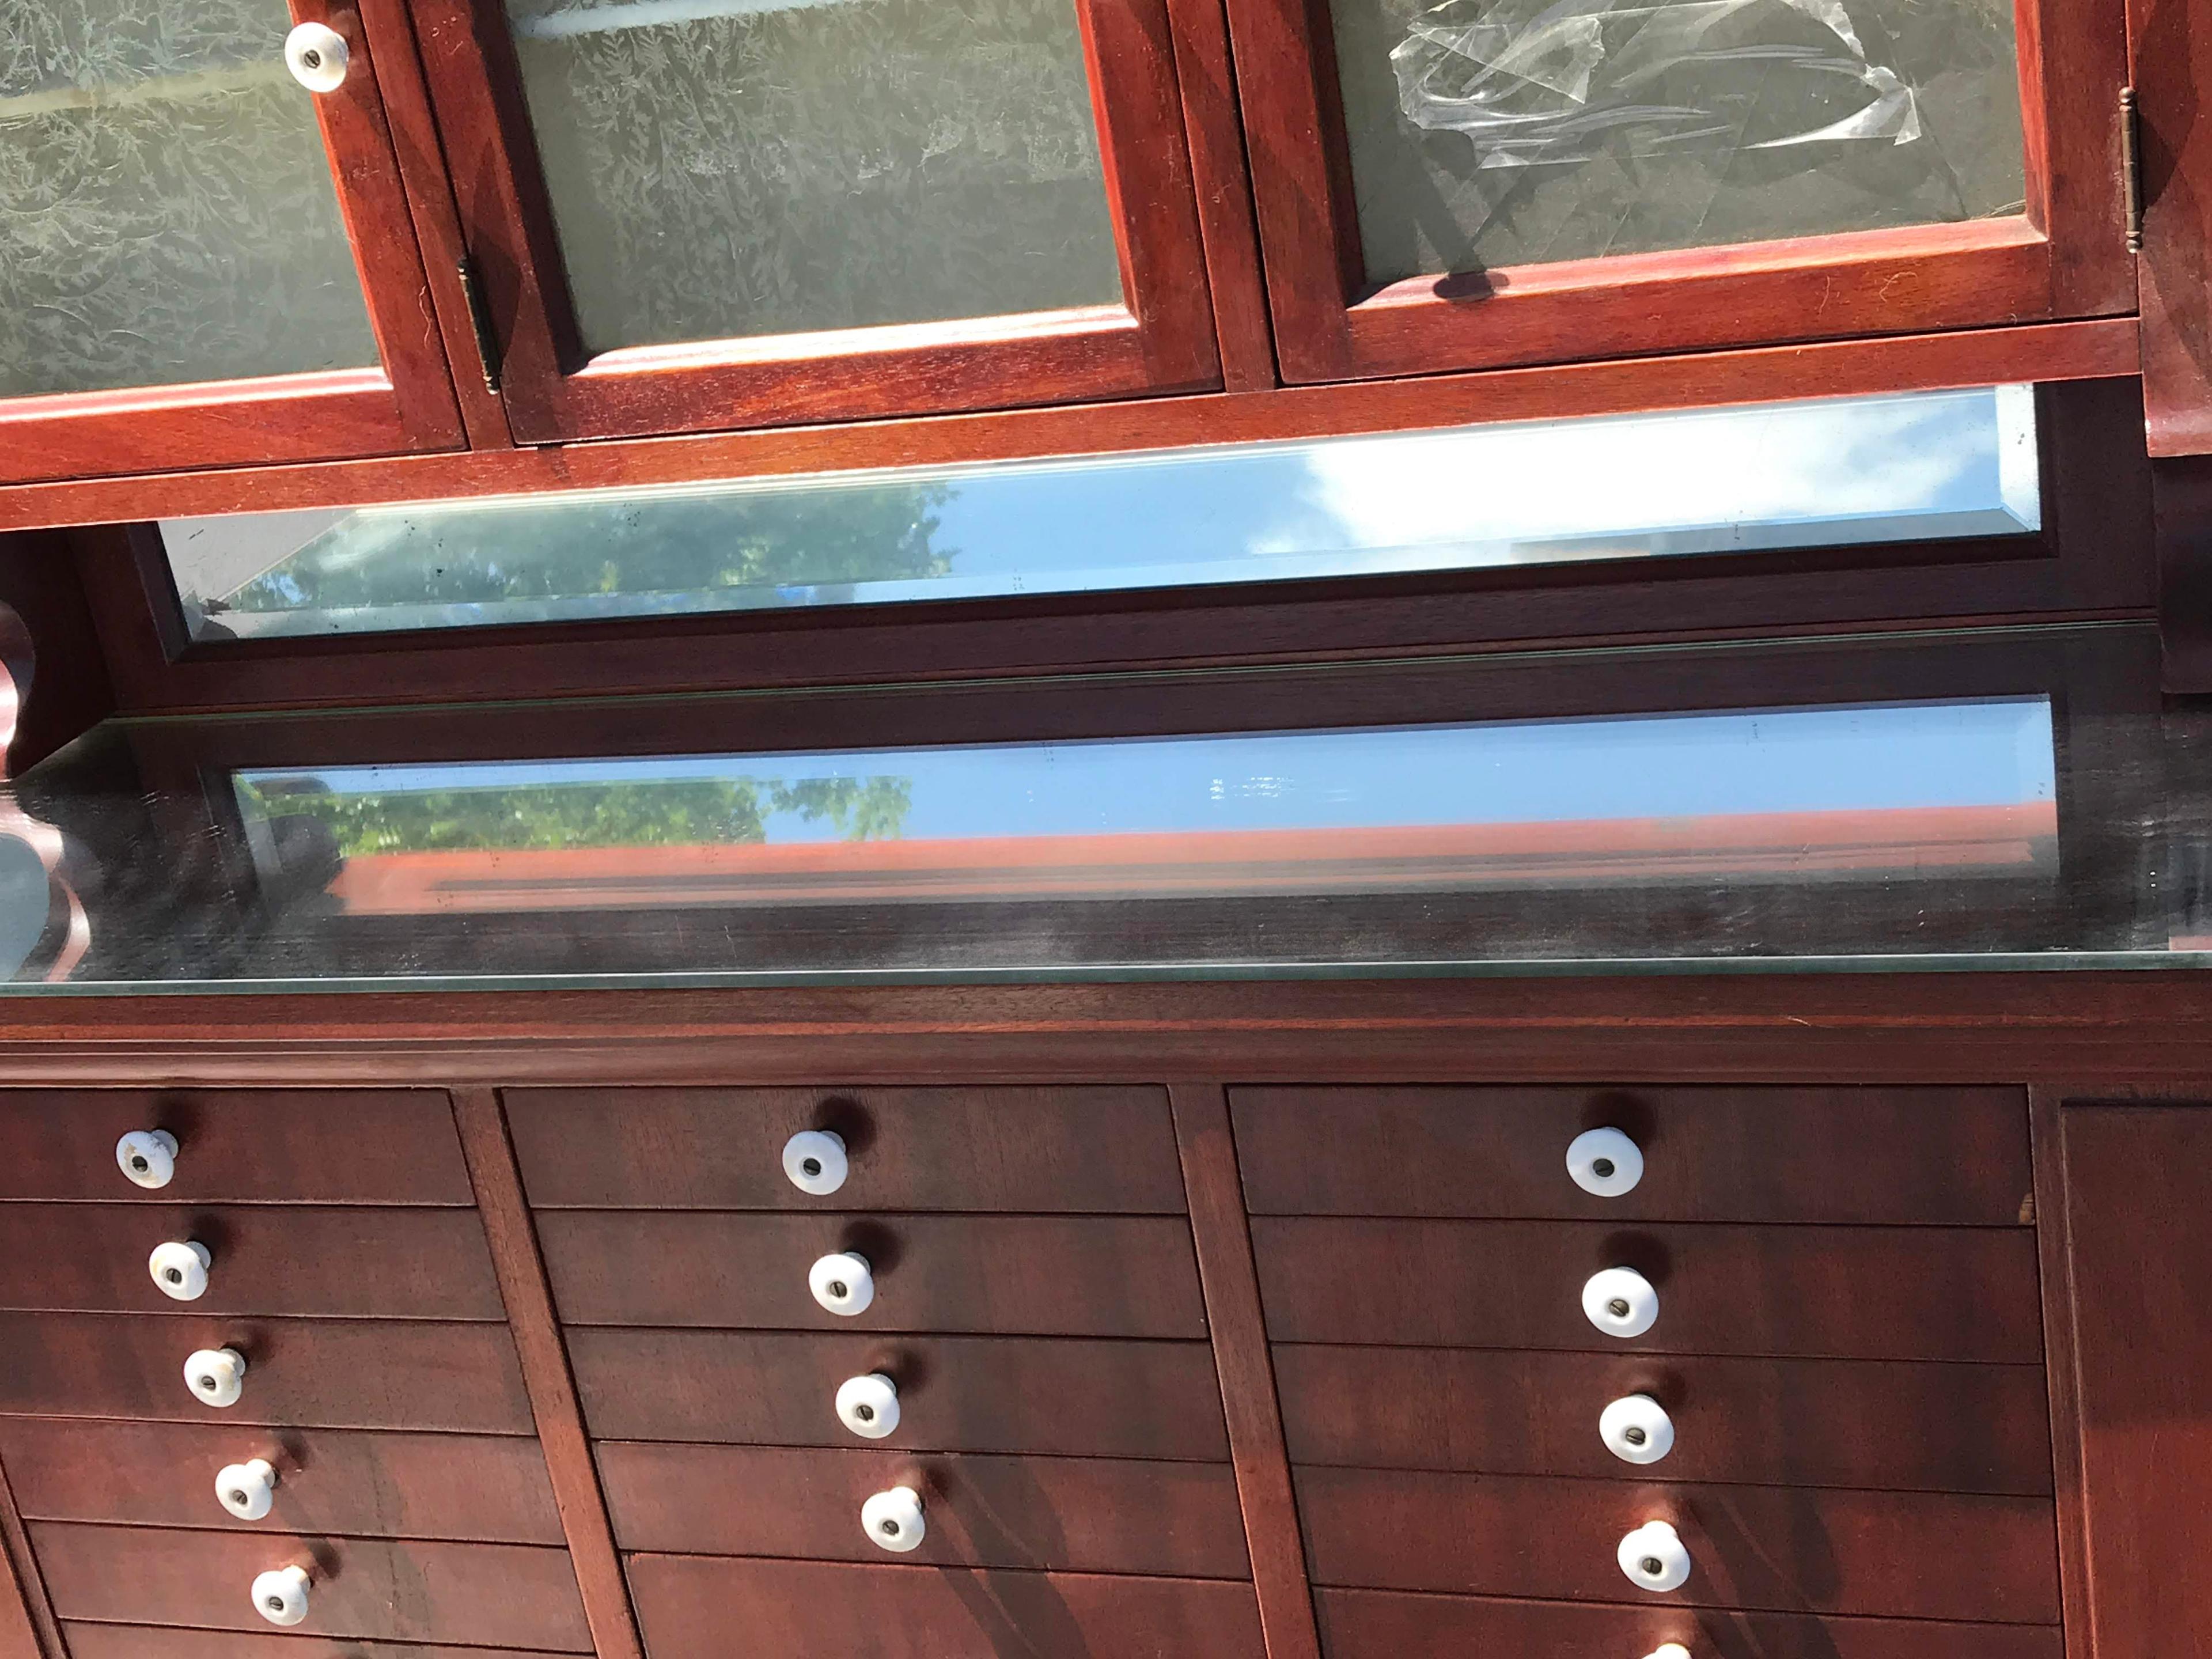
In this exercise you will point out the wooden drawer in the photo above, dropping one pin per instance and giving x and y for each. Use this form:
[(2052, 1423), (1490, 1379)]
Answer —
[(1874, 1424), (237, 1146), (689, 1605), (1111, 1151), (1068, 1514), (269, 1259), (1901, 1555), (358, 1374), (147, 1642), (484, 1594), (1147, 1399), (1038, 1275), (488, 1488), (1386, 1625), (1850, 1292), (1887, 1155)]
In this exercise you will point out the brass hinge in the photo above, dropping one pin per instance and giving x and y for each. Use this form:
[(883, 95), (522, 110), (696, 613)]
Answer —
[(480, 320), (2131, 191)]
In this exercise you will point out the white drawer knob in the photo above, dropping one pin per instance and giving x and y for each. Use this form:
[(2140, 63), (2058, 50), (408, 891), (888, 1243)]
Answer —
[(216, 1376), (843, 1284), (1668, 1650), (868, 1405), (1637, 1429), (1620, 1302), (1653, 1557), (280, 1596), (316, 54), (1605, 1162), (147, 1157), (181, 1271), (815, 1161), (893, 1519), (247, 1490)]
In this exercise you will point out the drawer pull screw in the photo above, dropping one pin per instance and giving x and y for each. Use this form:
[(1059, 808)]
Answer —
[(148, 1157), (180, 1270), (1654, 1558), (869, 1406), (280, 1596), (843, 1283), (814, 1161), (1620, 1302), (1604, 1163), (893, 1519), (247, 1490)]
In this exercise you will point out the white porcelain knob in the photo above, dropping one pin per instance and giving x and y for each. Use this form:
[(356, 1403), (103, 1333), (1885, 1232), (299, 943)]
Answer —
[(280, 1596), (147, 1157), (1668, 1650), (1620, 1302), (893, 1519), (1605, 1162), (815, 1161), (1637, 1429), (868, 1405), (216, 1376), (1654, 1558), (181, 1271), (316, 54), (843, 1284), (247, 1490)]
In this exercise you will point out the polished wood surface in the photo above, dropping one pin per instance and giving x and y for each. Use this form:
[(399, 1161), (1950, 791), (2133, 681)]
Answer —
[(147, 1642), (27, 1627), (2172, 69)]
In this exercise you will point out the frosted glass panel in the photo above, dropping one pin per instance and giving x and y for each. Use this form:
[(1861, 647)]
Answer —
[(167, 212), (737, 167)]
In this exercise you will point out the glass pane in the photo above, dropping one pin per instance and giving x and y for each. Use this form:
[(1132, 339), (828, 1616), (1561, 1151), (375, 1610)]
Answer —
[(732, 167), (167, 212), (1486, 133), (1915, 467)]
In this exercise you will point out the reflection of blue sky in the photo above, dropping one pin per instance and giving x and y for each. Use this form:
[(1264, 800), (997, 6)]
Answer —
[(1687, 766)]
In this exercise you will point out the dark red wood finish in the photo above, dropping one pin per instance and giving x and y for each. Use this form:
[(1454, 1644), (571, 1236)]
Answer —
[(28, 1627), (2170, 58), (145, 1642)]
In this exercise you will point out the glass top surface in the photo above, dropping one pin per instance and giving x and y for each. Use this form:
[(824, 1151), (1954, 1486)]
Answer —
[(2015, 800)]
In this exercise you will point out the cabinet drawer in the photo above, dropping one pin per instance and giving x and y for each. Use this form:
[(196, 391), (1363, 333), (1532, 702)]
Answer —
[(1863, 1292), (1876, 1424), (484, 1594), (1901, 1555), (485, 1487), (239, 1146), (1038, 1275), (269, 1259), (146, 1642), (1385, 1625), (1070, 1514), (1111, 1151), (689, 1607), (1148, 1399), (1866, 1155), (359, 1373)]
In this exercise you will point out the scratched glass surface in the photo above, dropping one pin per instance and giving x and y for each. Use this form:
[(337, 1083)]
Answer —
[(166, 211), (1489, 133), (738, 167)]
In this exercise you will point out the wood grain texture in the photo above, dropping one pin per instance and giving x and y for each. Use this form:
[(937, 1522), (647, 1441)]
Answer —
[(365, 1373), (1870, 1423), (28, 1627), (1900, 1555), (545, 1373), (909, 1149), (1961, 1294), (1059, 1514), (2181, 494), (1007, 1275), (2172, 66), (690, 1604), (993, 1394), (484, 1488), (485, 1595), (1886, 1156), (1247, 1384), (2053, 1225), (148, 1642)]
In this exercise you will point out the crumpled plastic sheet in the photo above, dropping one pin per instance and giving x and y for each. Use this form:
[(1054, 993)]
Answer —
[(1571, 81)]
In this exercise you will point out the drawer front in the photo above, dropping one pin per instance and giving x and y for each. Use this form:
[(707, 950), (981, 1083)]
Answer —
[(697, 1606), (484, 1594), (1900, 1555), (239, 1145), (1033, 1275), (485, 1487), (361, 1373), (1064, 1514), (147, 1642), (269, 1259), (1145, 1399), (1108, 1150), (1954, 1156), (1849, 1292), (1874, 1424), (1385, 1625)]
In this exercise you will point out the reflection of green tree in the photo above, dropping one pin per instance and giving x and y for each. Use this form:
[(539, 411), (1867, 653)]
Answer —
[(674, 812)]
